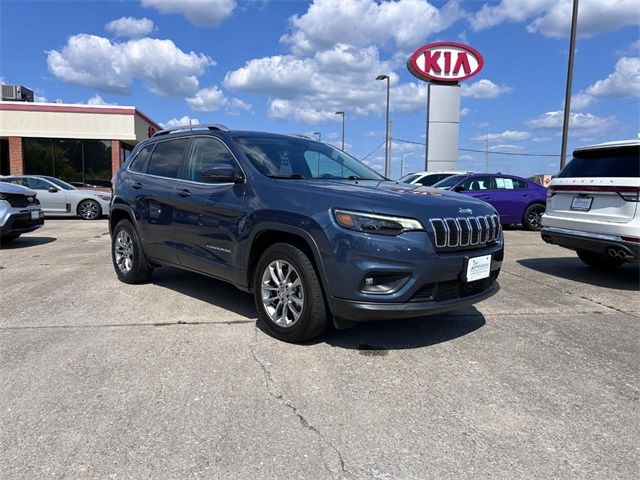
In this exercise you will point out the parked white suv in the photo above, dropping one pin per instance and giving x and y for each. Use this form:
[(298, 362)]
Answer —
[(592, 205), (427, 179)]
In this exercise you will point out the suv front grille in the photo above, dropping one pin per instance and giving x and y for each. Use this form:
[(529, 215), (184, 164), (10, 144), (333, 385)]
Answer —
[(20, 201), (465, 232)]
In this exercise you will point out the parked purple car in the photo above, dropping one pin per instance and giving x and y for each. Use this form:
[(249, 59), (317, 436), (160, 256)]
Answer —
[(516, 199)]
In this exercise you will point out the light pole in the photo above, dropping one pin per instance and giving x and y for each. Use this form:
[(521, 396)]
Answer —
[(402, 163), (318, 134), (387, 163), (567, 94), (342, 113)]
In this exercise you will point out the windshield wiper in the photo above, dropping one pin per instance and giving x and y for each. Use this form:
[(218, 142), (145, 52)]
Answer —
[(293, 176)]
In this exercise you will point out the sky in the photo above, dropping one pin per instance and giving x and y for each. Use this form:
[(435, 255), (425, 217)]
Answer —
[(288, 66)]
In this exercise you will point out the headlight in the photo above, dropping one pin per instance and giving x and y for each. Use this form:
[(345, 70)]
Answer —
[(372, 223), (106, 198)]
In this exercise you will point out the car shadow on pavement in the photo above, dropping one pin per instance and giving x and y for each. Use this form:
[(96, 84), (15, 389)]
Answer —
[(24, 242), (627, 277), (377, 338), (206, 289)]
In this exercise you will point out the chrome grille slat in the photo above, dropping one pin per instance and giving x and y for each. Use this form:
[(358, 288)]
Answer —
[(467, 232)]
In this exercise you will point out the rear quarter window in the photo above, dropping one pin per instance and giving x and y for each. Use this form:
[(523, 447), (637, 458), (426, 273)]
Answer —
[(610, 162)]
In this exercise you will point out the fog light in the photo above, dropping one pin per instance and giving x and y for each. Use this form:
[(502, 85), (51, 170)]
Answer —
[(383, 283)]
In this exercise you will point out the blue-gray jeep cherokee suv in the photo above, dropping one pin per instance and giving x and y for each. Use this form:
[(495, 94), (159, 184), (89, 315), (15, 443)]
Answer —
[(314, 234)]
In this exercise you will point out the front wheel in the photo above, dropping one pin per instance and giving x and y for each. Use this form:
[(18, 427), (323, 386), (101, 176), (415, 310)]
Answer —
[(288, 294), (89, 210), (599, 261), (532, 219), (129, 261)]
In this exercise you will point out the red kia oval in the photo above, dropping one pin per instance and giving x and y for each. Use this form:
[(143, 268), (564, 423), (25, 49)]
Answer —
[(445, 62)]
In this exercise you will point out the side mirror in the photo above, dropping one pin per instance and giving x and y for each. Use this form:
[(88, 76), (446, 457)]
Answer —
[(53, 189), (458, 188), (221, 173)]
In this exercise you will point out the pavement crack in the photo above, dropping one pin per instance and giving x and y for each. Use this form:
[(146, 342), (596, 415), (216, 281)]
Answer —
[(279, 396), (121, 325)]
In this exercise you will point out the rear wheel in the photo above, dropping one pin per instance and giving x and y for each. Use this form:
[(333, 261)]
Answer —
[(89, 210), (532, 219), (129, 261), (599, 261), (288, 294)]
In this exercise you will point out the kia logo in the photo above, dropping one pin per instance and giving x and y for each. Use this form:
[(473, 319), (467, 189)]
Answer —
[(445, 62)]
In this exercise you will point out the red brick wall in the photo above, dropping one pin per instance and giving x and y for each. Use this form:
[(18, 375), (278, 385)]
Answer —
[(115, 156), (16, 162)]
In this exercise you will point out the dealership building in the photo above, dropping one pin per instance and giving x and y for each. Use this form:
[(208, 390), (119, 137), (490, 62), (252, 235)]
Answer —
[(72, 142)]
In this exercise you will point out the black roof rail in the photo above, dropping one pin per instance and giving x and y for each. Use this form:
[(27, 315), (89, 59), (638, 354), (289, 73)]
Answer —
[(189, 128), (303, 135)]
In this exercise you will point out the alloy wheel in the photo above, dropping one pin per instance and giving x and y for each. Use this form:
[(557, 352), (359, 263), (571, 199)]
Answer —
[(123, 251), (535, 217), (89, 210), (282, 293)]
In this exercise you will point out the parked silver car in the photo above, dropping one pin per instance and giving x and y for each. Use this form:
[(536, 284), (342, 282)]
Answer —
[(58, 198)]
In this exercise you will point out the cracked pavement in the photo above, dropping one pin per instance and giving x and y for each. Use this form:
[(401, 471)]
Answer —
[(173, 379)]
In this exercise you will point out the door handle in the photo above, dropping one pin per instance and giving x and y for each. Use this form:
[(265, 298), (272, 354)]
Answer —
[(137, 186), (184, 193)]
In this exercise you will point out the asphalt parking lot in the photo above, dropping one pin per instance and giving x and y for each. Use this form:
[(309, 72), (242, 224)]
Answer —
[(172, 379)]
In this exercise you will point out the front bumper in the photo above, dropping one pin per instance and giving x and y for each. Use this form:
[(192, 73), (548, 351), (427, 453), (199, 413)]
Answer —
[(593, 242), (21, 222), (355, 311)]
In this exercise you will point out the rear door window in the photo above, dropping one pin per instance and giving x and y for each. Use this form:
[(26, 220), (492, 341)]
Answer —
[(509, 183), (167, 157), (610, 162), (139, 163)]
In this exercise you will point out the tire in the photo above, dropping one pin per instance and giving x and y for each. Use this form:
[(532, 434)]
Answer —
[(599, 261), (10, 237), (283, 317), (89, 210), (532, 218), (129, 261)]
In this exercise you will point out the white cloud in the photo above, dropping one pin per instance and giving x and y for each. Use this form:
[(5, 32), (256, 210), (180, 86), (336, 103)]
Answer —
[(203, 13), (184, 121), (130, 27), (505, 147), (507, 135), (578, 121), (362, 22), (484, 88), (212, 99), (312, 89), (39, 98), (465, 111), (552, 18), (624, 82), (99, 63), (98, 100)]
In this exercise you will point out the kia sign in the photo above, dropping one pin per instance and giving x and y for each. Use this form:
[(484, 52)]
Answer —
[(445, 62)]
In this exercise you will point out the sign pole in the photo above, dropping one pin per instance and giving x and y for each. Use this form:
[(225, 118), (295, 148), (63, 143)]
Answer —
[(567, 94)]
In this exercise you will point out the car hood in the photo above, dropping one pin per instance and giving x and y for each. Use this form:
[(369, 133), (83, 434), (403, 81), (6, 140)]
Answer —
[(391, 198), (15, 189)]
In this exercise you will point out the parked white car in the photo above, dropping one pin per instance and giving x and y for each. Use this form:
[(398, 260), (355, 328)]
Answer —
[(592, 205), (58, 198), (427, 179)]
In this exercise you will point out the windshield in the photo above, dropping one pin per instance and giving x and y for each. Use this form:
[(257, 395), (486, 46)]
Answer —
[(291, 157), (61, 184), (610, 162), (408, 178), (449, 182)]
